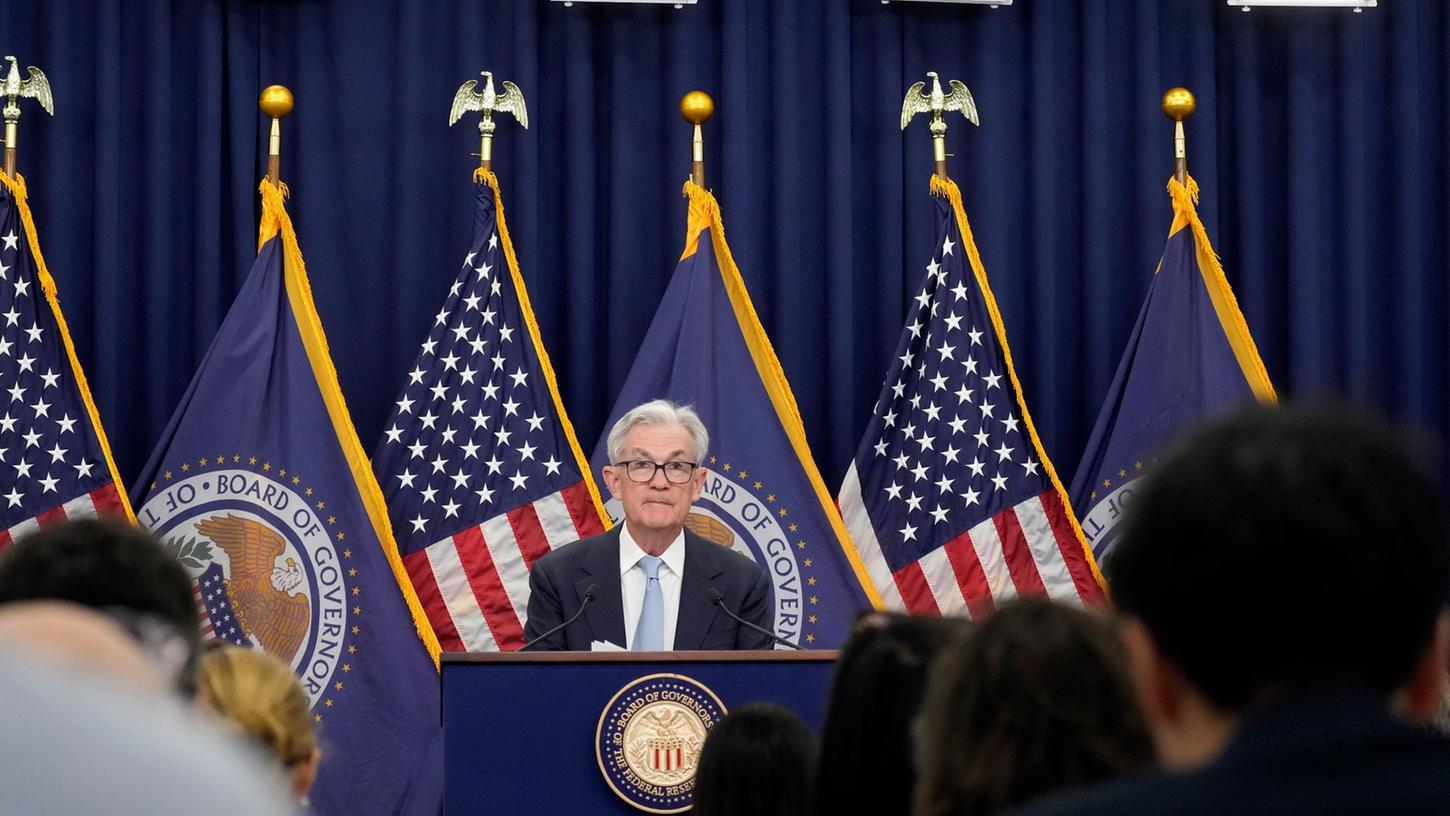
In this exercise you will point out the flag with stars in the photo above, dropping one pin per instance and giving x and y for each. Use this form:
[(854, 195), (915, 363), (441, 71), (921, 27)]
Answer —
[(950, 498), (1190, 356), (480, 466), (763, 495), (56, 462), (261, 489)]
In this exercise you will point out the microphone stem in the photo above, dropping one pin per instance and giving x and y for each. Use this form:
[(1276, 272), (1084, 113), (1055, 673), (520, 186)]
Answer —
[(720, 602), (588, 597)]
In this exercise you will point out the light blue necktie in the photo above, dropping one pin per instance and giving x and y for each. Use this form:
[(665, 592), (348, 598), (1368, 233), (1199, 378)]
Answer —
[(649, 635)]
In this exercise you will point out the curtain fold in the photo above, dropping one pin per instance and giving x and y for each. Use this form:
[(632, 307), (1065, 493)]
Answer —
[(1320, 139)]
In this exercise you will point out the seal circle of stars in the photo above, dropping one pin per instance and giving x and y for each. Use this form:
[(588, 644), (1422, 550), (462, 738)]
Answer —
[(806, 563), (1125, 475)]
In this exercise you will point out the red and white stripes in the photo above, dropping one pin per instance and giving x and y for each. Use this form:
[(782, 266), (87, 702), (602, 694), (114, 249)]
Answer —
[(203, 618), (475, 584), (1028, 549), (103, 501)]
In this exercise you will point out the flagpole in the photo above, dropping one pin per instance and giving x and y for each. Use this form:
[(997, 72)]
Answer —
[(1178, 104), (276, 103), (697, 107), (11, 126)]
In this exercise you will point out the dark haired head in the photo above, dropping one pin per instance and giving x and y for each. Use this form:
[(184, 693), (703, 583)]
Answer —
[(865, 764), (119, 570), (757, 761), (1280, 548), (1035, 700)]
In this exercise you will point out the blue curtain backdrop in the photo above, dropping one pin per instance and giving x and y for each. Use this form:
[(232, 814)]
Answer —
[(1320, 141)]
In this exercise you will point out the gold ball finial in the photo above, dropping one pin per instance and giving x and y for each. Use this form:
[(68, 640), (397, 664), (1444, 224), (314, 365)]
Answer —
[(1178, 104), (275, 101), (697, 107)]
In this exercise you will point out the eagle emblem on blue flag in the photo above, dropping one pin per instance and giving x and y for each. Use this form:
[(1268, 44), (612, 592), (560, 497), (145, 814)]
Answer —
[(282, 586), (266, 594), (263, 492)]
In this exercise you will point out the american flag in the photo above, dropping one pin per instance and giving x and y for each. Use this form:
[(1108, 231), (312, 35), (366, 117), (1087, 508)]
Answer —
[(54, 463), (481, 469), (950, 499), (214, 607)]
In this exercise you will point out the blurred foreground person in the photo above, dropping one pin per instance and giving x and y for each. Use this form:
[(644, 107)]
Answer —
[(1035, 700), (757, 761), (865, 758), (90, 726), (1283, 580), (80, 640), (122, 572), (261, 698)]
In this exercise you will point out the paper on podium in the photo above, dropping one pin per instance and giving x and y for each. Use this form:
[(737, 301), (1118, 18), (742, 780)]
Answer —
[(604, 646)]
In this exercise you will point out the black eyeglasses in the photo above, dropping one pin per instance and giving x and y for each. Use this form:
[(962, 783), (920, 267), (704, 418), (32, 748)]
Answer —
[(643, 470)]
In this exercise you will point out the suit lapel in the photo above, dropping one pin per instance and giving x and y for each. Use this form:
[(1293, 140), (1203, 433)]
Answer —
[(606, 613), (697, 611)]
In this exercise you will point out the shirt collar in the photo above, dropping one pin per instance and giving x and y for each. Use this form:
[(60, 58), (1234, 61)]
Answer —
[(630, 552)]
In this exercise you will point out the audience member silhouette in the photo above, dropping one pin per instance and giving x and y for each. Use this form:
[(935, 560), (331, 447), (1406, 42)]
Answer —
[(261, 698), (865, 758), (1282, 578), (757, 761), (119, 570), (1036, 699), (80, 640), (91, 725)]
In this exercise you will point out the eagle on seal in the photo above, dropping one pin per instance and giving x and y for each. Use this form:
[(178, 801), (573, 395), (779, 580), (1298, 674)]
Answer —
[(260, 590)]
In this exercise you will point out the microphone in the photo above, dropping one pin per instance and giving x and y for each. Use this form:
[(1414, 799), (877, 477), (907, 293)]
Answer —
[(719, 600), (588, 597)]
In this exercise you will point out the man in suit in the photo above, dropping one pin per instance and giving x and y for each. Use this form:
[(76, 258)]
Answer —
[(1282, 579), (650, 579)]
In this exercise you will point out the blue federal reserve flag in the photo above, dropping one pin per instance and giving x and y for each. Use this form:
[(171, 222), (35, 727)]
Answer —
[(260, 481), (763, 495), (1190, 356)]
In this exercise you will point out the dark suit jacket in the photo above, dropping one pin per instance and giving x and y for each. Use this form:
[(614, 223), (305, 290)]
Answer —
[(559, 579), (1327, 753)]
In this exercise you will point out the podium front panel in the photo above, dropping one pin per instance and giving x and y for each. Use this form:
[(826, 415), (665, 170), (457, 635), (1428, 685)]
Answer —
[(520, 731)]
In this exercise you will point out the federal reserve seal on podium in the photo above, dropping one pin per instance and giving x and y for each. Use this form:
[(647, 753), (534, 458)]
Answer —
[(649, 739)]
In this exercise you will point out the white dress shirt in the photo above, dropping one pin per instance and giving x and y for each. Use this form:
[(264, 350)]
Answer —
[(632, 581)]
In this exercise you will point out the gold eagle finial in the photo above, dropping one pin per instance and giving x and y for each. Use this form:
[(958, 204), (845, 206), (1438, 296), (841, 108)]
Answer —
[(37, 87)]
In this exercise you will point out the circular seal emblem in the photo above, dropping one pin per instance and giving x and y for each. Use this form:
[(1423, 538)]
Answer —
[(267, 571), (1107, 503), (649, 739)]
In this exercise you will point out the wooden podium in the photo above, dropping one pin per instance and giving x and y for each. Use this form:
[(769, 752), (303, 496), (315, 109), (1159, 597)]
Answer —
[(536, 732)]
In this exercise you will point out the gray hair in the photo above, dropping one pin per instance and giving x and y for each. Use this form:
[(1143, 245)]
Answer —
[(659, 412)]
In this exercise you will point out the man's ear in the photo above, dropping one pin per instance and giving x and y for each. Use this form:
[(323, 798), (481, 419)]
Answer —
[(1157, 683), (611, 480), (1421, 695), (698, 484), (304, 773)]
